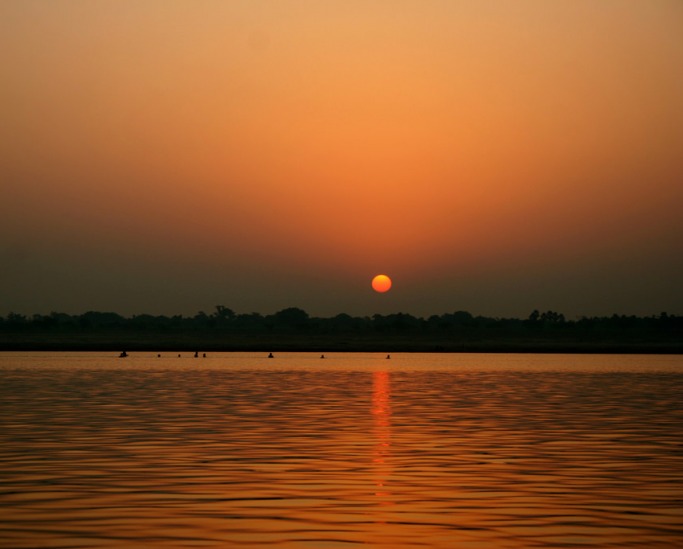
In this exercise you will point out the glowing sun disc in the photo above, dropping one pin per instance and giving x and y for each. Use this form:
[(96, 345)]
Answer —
[(381, 283)]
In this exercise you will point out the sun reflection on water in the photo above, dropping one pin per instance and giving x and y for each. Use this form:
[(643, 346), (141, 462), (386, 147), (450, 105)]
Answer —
[(381, 412), (422, 451)]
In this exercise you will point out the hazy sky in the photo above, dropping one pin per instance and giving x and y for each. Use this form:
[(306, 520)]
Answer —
[(492, 156)]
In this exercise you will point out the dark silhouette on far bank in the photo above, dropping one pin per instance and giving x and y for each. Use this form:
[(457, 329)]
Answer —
[(292, 329)]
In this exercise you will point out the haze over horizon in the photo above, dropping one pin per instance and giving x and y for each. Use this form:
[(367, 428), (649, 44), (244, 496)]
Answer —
[(494, 157)]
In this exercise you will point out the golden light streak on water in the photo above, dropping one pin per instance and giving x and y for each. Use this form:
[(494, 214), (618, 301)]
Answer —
[(431, 451), (381, 412)]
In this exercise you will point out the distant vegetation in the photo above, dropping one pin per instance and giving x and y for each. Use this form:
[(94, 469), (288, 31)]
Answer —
[(294, 329)]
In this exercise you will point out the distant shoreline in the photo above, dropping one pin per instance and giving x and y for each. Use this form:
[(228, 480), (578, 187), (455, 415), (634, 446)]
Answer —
[(294, 330), (279, 345)]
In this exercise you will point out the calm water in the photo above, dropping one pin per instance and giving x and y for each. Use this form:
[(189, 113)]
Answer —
[(235, 450)]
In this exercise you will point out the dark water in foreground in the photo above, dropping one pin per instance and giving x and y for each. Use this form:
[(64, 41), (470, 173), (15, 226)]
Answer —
[(426, 451)]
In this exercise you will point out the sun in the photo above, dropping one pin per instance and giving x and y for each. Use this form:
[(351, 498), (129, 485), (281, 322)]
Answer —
[(381, 283)]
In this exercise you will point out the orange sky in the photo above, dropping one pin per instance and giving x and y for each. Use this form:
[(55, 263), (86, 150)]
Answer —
[(497, 157)]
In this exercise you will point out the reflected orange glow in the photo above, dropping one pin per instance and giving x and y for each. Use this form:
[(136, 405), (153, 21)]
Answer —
[(381, 412)]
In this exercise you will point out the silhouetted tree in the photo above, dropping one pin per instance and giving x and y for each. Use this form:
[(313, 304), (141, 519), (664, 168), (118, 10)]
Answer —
[(292, 317), (552, 317), (223, 313)]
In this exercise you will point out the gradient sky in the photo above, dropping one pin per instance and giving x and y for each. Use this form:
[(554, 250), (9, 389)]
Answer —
[(497, 157)]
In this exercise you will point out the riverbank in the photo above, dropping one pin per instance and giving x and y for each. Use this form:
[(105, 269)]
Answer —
[(301, 342)]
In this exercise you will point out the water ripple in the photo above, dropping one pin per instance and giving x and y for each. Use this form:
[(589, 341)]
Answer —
[(104, 454)]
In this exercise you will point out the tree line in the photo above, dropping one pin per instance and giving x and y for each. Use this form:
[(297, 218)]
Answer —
[(294, 319)]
